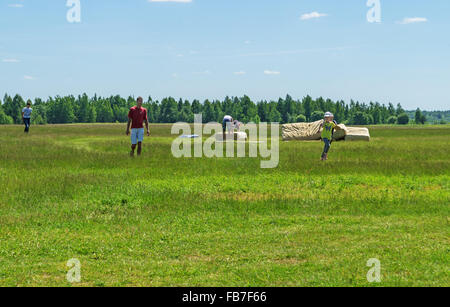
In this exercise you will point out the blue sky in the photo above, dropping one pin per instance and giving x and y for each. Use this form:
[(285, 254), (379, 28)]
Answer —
[(213, 48)]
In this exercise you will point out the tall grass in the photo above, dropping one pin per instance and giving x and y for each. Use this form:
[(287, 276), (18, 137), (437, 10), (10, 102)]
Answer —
[(72, 191)]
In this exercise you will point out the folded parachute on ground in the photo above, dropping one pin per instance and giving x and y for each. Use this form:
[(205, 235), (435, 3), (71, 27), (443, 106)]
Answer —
[(237, 136), (357, 134)]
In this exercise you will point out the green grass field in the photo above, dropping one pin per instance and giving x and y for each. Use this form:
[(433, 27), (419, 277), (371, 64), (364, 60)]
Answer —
[(72, 191)]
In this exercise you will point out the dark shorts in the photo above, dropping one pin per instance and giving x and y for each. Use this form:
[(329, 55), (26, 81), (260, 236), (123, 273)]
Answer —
[(225, 123)]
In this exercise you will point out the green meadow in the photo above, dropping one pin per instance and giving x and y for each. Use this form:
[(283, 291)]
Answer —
[(72, 191)]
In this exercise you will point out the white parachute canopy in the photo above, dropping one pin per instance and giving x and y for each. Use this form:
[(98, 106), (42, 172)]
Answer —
[(312, 132)]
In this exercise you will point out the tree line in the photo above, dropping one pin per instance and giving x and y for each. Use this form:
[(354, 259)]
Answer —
[(85, 109)]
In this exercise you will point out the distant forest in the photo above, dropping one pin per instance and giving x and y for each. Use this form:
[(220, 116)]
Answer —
[(114, 109)]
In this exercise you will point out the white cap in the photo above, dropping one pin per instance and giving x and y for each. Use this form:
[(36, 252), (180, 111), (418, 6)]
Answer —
[(328, 115)]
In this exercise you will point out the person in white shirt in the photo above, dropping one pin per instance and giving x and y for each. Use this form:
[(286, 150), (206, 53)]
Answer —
[(26, 116), (227, 124), (237, 125)]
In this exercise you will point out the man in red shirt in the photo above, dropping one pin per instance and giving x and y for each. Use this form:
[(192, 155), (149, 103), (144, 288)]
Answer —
[(136, 118)]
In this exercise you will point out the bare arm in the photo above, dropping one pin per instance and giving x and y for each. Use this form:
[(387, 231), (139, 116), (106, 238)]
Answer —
[(146, 125), (128, 126), (320, 127)]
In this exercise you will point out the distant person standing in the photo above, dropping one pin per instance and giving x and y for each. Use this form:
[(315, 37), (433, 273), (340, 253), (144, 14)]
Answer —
[(237, 125), (136, 118), (26, 116)]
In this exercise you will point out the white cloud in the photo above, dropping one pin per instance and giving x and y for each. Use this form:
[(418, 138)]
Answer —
[(28, 77), (271, 72), (409, 20), (240, 73), (312, 15), (10, 61), (179, 1), (16, 5)]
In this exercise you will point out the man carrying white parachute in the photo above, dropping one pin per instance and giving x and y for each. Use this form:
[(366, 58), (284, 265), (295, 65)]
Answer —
[(328, 125)]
